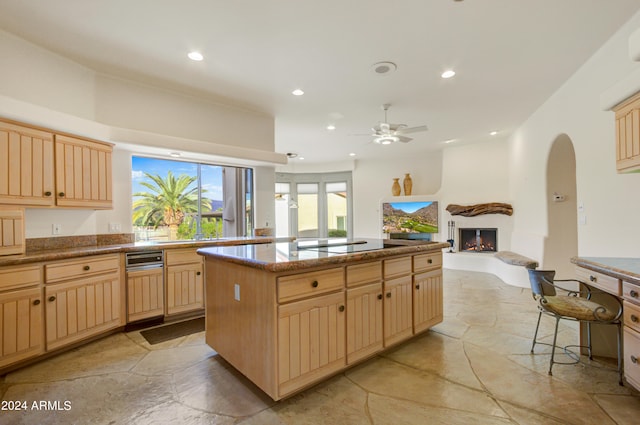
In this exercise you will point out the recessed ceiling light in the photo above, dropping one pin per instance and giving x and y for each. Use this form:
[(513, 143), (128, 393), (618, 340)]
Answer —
[(450, 141), (493, 133), (448, 74), (195, 56), (352, 154), (297, 92), (175, 154), (301, 158), (331, 127)]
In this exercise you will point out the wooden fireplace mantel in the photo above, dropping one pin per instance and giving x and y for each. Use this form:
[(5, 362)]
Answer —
[(480, 209)]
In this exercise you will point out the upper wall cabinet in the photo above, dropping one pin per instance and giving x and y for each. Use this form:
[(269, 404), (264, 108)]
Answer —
[(628, 135), (38, 168), (26, 166), (83, 173)]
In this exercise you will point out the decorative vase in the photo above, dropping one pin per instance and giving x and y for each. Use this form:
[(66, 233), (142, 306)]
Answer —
[(395, 188), (408, 184)]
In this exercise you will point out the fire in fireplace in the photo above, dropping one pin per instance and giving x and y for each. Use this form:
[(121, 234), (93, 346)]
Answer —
[(478, 240)]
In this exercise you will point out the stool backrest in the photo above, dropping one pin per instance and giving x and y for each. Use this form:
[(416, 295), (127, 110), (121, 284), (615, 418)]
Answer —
[(541, 282)]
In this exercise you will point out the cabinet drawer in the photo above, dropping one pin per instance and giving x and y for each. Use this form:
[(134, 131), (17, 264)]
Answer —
[(631, 292), (87, 266), (632, 357), (601, 281), (631, 314), (397, 267), (181, 256), (364, 273), (306, 284), (429, 261), (19, 277)]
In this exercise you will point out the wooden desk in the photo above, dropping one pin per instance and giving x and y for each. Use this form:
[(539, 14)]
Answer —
[(619, 277)]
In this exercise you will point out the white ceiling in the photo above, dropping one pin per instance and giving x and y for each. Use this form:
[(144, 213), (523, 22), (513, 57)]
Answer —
[(509, 55)]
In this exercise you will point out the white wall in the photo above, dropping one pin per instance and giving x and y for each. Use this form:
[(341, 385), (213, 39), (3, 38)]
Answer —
[(610, 200), (372, 182)]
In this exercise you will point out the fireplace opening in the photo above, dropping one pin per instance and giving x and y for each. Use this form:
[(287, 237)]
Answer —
[(478, 240)]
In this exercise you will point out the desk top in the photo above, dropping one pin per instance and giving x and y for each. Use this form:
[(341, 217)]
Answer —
[(627, 269)]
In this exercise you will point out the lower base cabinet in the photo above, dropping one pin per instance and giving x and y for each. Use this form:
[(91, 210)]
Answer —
[(185, 281), (427, 300), (80, 309), (145, 294), (21, 325), (311, 340), (398, 324), (364, 321)]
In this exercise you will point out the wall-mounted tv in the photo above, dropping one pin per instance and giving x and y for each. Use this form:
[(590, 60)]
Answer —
[(410, 217)]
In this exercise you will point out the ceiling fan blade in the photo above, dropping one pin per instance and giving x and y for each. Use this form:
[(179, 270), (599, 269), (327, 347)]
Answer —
[(404, 139), (413, 129)]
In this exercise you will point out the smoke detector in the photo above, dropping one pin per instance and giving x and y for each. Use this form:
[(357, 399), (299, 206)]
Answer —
[(383, 68)]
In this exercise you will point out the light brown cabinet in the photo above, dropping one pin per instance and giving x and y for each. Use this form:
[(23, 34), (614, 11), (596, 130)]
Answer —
[(21, 314), (185, 281), (631, 334), (628, 135), (287, 330), (47, 169), (311, 340), (83, 173), (145, 294), (82, 298), (26, 158)]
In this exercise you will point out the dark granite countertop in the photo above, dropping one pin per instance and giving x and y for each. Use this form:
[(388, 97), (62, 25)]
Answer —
[(291, 256), (627, 269), (39, 255)]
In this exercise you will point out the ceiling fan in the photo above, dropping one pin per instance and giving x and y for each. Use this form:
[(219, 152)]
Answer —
[(386, 133)]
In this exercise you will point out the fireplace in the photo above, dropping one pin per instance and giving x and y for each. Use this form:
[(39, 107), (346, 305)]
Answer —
[(478, 240)]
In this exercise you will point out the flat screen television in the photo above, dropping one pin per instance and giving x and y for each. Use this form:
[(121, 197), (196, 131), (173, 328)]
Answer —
[(418, 217)]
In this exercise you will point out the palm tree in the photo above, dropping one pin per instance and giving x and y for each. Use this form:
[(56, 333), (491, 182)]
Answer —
[(168, 201)]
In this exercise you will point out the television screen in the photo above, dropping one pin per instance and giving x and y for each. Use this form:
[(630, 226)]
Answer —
[(410, 217)]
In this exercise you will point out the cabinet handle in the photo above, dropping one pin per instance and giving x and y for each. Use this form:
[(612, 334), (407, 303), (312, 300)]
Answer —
[(592, 278), (379, 296), (430, 260), (634, 359), (633, 293), (52, 298), (341, 308), (314, 283), (417, 286), (36, 302), (86, 268), (61, 194), (198, 273), (47, 193), (634, 318), (388, 294)]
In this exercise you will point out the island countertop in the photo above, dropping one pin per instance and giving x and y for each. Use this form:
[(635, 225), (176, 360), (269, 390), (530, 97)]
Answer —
[(627, 269), (302, 254)]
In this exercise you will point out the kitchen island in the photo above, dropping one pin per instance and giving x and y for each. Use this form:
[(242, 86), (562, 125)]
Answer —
[(288, 315)]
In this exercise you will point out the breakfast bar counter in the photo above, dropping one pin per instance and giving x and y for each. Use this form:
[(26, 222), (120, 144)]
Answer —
[(288, 315)]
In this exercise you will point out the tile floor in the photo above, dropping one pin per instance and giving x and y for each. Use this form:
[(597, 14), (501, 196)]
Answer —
[(474, 368)]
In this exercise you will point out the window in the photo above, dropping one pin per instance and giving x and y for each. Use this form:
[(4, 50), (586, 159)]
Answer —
[(175, 200), (313, 205)]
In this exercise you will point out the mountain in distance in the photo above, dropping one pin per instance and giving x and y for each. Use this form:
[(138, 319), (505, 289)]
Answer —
[(423, 220)]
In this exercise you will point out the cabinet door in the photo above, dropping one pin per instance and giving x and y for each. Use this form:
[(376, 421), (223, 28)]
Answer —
[(145, 294), (81, 308), (311, 340), (397, 310), (26, 158), (185, 288), (83, 173), (364, 321), (427, 300), (21, 330)]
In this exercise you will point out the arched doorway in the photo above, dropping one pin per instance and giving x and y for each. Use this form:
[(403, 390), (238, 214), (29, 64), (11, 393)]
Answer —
[(561, 242)]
